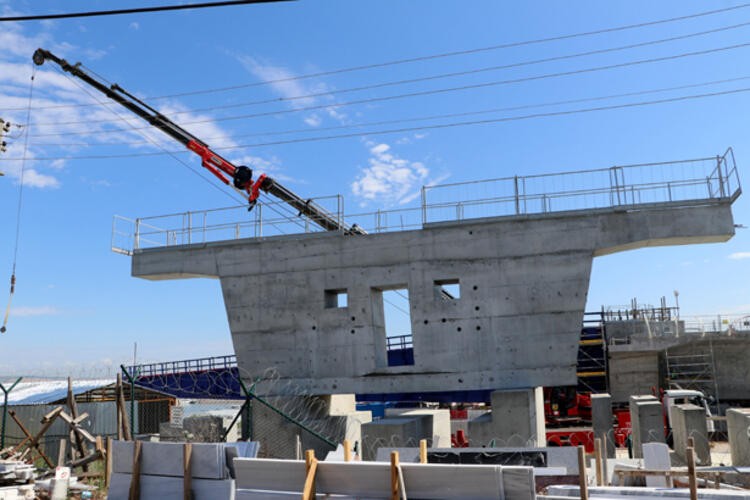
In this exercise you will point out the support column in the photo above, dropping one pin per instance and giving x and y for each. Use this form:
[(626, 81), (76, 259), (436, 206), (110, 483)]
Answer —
[(647, 421), (738, 427), (603, 421), (517, 420), (689, 421)]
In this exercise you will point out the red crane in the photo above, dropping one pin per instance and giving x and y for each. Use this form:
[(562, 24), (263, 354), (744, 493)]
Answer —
[(238, 176)]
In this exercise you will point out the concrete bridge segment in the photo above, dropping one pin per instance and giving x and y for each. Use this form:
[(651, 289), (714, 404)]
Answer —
[(523, 283)]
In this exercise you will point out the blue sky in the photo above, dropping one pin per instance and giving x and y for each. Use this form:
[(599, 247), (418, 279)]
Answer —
[(77, 309)]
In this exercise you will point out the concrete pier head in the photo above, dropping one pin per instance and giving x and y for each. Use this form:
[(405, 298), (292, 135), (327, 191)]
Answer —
[(515, 324)]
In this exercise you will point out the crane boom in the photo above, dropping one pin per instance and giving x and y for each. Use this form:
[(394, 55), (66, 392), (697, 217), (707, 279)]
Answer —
[(240, 177)]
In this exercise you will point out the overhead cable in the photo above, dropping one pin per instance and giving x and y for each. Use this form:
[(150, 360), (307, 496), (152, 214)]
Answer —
[(444, 90), (435, 56), (328, 93), (138, 10), (309, 130), (414, 129)]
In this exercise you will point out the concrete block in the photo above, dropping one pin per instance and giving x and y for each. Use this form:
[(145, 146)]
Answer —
[(393, 432), (517, 419), (647, 420), (690, 421), (603, 421), (439, 425), (656, 457), (738, 427)]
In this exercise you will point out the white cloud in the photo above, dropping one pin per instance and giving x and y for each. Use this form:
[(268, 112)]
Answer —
[(32, 178), (296, 92), (389, 178), (134, 26), (28, 311), (740, 255)]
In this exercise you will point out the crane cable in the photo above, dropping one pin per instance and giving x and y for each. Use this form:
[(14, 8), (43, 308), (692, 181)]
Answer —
[(4, 328)]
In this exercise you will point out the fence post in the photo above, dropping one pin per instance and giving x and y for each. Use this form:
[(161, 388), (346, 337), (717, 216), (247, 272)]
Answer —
[(424, 206), (132, 399), (5, 409), (518, 201)]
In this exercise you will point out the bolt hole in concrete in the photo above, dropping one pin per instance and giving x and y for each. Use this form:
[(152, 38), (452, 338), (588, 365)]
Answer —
[(479, 327)]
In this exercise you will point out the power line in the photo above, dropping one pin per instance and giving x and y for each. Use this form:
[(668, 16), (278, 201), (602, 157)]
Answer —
[(431, 56), (437, 76), (138, 10), (438, 116), (429, 117), (439, 91), (415, 129)]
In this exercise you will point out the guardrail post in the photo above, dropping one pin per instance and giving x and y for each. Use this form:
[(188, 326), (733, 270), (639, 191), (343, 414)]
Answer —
[(518, 201), (424, 205), (721, 177), (189, 227), (137, 236)]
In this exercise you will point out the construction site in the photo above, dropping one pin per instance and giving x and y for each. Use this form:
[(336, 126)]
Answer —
[(497, 379)]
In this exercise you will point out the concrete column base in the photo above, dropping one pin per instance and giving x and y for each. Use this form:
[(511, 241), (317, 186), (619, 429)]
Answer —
[(517, 419)]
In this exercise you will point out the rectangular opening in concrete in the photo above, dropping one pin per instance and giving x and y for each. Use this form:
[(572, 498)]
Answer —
[(394, 302), (448, 289), (336, 298)]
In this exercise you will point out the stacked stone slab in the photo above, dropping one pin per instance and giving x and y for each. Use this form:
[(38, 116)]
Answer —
[(738, 427), (647, 422), (161, 471)]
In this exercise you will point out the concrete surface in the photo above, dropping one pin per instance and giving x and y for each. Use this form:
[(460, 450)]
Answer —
[(690, 421), (647, 421), (439, 424), (516, 419), (738, 426), (394, 432), (523, 284), (603, 421)]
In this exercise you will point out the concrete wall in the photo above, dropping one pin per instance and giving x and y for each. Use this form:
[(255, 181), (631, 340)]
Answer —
[(632, 373), (636, 368), (523, 284)]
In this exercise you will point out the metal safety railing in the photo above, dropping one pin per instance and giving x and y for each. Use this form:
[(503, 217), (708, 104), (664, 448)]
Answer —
[(184, 366), (677, 182)]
